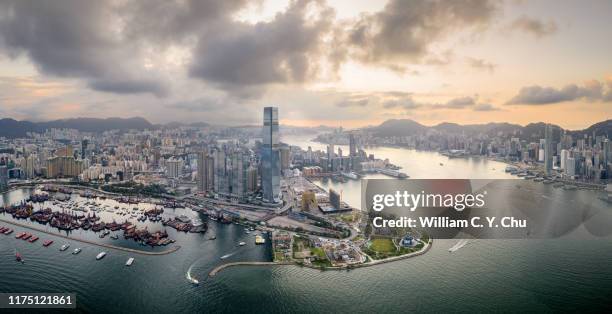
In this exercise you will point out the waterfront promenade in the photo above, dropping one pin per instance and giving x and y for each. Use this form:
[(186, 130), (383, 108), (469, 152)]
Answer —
[(110, 246), (424, 250)]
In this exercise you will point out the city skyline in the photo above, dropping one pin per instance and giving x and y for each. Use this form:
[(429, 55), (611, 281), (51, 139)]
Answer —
[(470, 62)]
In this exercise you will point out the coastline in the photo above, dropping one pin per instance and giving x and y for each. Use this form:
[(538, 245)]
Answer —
[(110, 246), (425, 249)]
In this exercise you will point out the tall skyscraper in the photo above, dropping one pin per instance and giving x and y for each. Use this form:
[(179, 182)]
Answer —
[(270, 159), (285, 157), (330, 156), (205, 177), (548, 150), (3, 178), (84, 144), (352, 145)]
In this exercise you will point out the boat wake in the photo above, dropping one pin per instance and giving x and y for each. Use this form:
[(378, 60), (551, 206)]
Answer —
[(458, 245), (228, 255), (189, 277)]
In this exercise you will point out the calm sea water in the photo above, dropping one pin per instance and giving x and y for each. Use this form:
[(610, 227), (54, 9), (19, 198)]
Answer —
[(572, 273)]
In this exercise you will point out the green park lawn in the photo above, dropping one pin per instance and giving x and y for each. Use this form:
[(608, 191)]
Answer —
[(383, 245)]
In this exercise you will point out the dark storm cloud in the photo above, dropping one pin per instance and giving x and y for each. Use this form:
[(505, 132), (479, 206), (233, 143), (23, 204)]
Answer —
[(72, 38), (167, 21), (404, 30), (107, 44), (284, 50), (537, 95), (534, 26)]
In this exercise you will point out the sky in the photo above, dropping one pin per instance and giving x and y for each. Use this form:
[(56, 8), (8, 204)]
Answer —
[(337, 62)]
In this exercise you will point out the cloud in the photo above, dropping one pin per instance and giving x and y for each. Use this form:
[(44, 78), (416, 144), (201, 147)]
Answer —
[(481, 64), (404, 30), (458, 103), (485, 107), (534, 26), (352, 103), (538, 95), (129, 46), (75, 39), (287, 49), (408, 103)]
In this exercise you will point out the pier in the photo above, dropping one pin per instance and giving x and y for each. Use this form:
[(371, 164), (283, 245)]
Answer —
[(110, 246)]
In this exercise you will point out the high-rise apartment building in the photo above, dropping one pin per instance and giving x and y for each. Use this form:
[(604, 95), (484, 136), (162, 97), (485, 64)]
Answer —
[(205, 175)]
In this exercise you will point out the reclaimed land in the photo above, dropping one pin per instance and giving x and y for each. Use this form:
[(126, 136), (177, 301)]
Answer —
[(424, 250), (110, 246)]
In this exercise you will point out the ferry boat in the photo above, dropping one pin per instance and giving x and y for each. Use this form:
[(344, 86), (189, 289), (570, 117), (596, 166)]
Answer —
[(350, 175), (393, 173), (76, 251), (47, 243), (64, 247), (100, 256), (242, 243), (33, 239), (259, 239), (129, 262)]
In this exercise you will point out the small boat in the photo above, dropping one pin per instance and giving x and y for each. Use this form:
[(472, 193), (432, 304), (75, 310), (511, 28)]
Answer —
[(18, 257), (259, 239), (242, 243), (20, 235), (26, 236), (212, 238), (33, 239), (114, 237), (76, 251), (47, 243), (129, 262), (9, 231), (100, 256), (64, 247)]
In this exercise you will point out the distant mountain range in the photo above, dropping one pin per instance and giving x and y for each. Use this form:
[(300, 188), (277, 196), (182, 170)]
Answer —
[(532, 131), (12, 128)]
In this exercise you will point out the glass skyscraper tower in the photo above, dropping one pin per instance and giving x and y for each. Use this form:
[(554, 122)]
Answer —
[(548, 149), (270, 159)]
